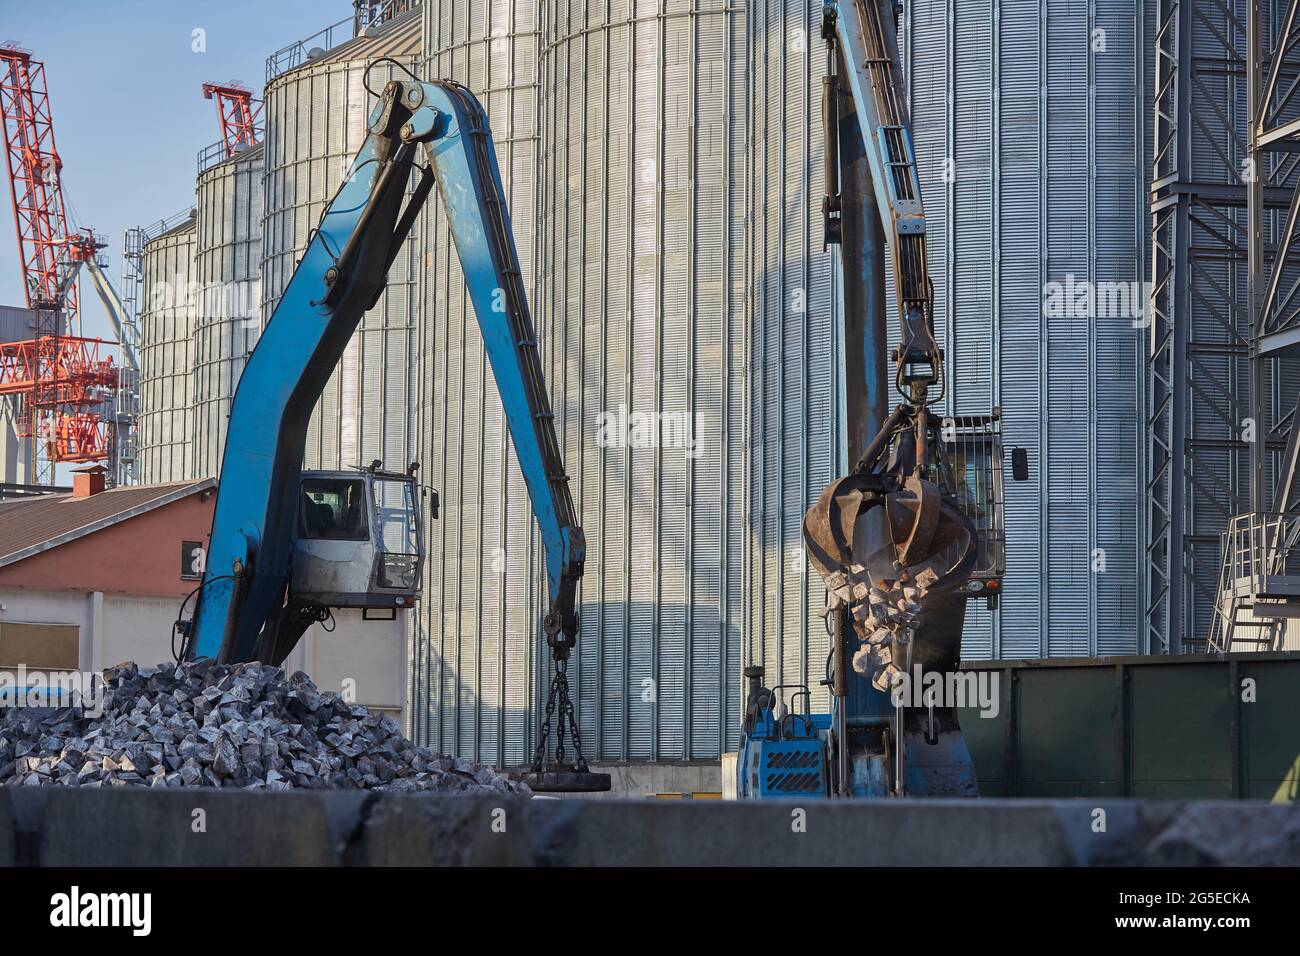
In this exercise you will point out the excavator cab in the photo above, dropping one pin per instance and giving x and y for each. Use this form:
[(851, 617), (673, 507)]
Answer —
[(973, 447), (358, 540)]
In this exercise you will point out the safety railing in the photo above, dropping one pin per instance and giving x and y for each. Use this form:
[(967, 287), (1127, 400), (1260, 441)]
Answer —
[(1257, 546), (212, 155), (1254, 548), (367, 14)]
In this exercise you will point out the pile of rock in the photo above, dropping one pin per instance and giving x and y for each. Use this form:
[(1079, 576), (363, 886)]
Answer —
[(207, 725), (885, 615)]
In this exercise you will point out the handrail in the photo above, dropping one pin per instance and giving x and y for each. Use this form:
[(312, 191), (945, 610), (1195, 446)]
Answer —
[(295, 54), (1255, 547)]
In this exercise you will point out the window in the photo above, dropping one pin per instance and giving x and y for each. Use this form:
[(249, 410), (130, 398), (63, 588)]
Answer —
[(395, 508), (333, 509), (399, 565), (39, 646)]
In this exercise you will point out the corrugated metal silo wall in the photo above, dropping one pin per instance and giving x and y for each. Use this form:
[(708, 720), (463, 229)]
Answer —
[(316, 117), (1282, 375), (472, 657), (1042, 112), (796, 440), (166, 358), (642, 305), (228, 264)]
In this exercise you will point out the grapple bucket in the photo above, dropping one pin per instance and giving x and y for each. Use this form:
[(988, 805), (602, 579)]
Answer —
[(887, 549)]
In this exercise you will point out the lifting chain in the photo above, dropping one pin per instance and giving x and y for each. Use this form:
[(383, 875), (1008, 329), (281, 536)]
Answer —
[(559, 700)]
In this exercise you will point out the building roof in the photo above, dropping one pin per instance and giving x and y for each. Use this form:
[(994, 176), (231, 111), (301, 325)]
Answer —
[(29, 526)]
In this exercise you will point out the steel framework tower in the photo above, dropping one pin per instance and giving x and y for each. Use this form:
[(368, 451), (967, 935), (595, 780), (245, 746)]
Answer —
[(239, 114), (35, 170), (1274, 156), (1216, 417), (59, 381)]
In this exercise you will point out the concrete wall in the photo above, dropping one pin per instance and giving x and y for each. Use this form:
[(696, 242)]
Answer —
[(66, 826), (114, 628), (366, 659), (652, 779)]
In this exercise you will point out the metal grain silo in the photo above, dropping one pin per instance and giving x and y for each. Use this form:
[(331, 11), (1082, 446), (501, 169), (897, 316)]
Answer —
[(1029, 123), (796, 440), (641, 301), (166, 357), (228, 320), (1041, 113), (316, 116), (473, 655)]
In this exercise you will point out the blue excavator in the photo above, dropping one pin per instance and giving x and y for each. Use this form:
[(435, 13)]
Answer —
[(914, 530), (287, 545)]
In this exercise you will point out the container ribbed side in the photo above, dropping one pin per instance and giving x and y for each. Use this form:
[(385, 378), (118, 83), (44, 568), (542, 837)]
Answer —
[(228, 266), (642, 298), (166, 358)]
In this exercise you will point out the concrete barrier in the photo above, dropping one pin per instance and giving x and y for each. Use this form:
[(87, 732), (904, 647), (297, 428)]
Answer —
[(200, 827), (8, 830)]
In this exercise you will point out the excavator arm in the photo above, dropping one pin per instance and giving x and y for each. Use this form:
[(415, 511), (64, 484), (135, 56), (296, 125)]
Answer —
[(925, 542), (240, 612), (863, 34), (893, 540)]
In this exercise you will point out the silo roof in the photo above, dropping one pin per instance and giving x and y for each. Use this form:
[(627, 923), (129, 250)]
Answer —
[(188, 225), (252, 152), (399, 37)]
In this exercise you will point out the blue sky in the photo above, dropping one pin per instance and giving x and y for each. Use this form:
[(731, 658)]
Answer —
[(129, 116)]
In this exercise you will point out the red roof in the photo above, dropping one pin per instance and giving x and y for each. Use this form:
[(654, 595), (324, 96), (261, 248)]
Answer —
[(29, 526)]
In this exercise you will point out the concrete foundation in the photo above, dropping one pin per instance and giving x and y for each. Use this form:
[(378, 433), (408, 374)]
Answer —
[(635, 780), (70, 827)]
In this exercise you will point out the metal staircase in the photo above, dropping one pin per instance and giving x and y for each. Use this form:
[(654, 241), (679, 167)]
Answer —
[(1259, 585)]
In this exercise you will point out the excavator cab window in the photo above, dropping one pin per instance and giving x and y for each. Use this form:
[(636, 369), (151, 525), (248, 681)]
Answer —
[(973, 445), (398, 537), (333, 509)]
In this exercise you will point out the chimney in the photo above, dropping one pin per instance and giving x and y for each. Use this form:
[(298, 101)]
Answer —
[(88, 481)]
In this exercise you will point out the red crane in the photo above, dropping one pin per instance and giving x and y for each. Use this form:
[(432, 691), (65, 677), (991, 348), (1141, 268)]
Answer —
[(60, 380), (239, 114)]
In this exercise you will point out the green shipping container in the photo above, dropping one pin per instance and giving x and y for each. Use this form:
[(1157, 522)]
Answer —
[(1192, 726)]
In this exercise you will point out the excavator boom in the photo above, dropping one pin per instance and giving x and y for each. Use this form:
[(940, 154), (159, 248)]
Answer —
[(247, 607)]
